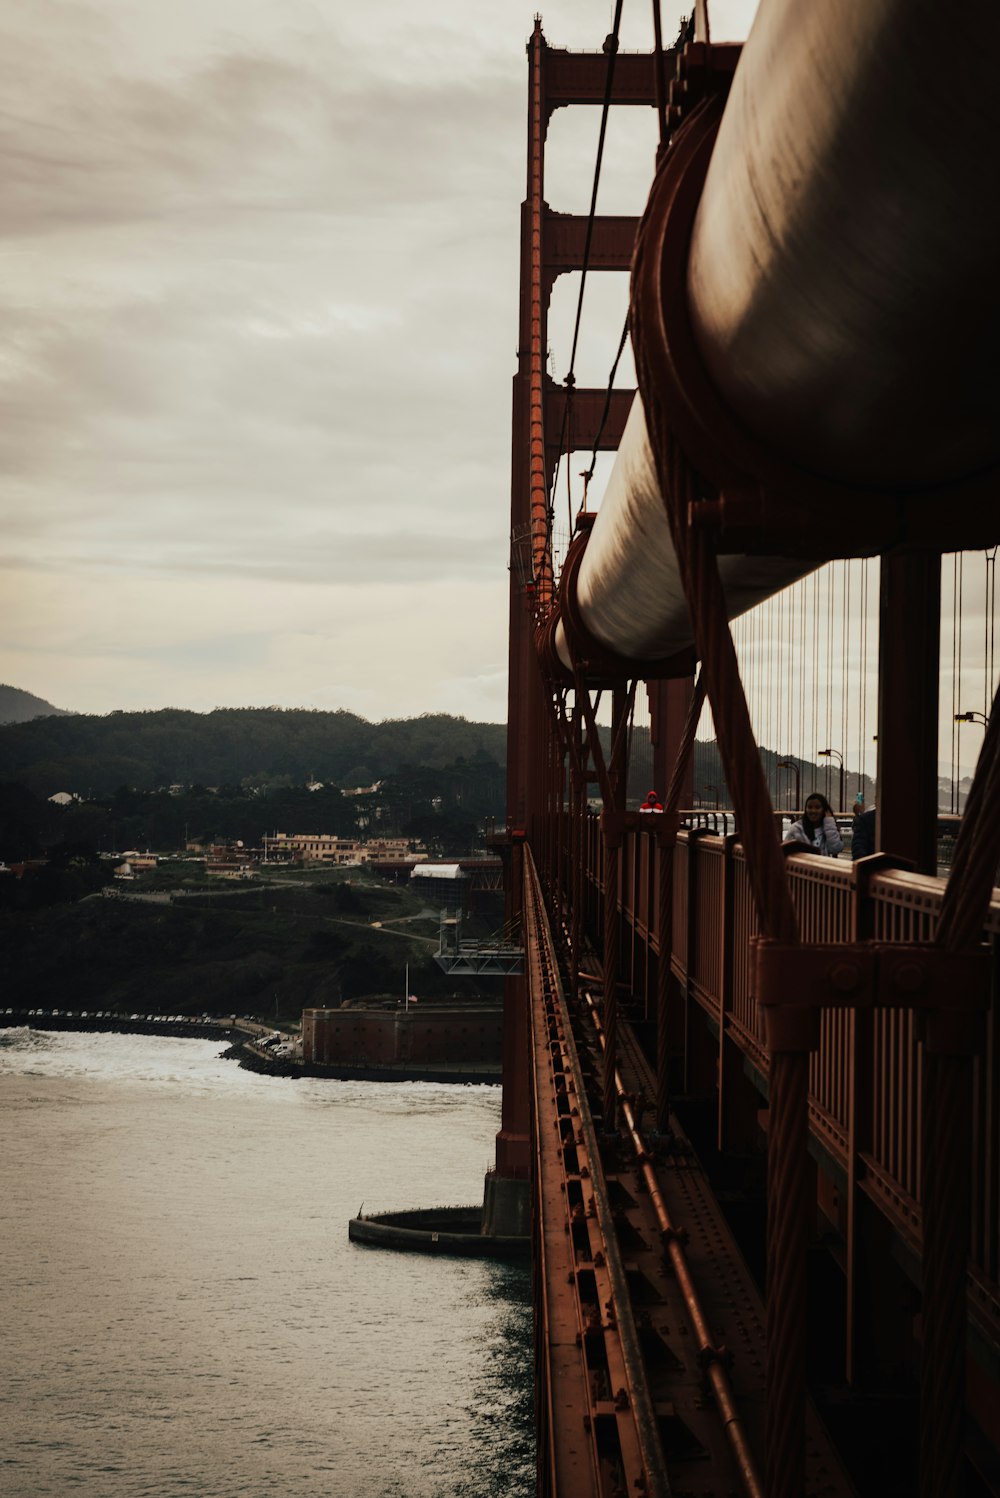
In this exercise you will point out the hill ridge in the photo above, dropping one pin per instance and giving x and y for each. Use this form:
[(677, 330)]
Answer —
[(19, 706), (95, 754)]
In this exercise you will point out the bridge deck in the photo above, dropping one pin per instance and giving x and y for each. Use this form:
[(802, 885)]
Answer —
[(627, 1358)]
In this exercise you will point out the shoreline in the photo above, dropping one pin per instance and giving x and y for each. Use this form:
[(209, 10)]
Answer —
[(242, 1050)]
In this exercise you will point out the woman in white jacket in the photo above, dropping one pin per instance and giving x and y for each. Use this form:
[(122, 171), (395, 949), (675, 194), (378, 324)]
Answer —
[(817, 830)]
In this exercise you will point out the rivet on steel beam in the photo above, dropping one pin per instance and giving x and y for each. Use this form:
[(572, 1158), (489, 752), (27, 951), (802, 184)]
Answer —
[(908, 977), (845, 977)]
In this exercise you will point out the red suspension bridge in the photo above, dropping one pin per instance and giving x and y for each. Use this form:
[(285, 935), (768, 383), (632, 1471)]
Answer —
[(712, 1031)]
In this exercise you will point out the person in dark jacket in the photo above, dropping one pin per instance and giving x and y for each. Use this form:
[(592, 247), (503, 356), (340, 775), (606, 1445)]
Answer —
[(863, 835), (816, 831)]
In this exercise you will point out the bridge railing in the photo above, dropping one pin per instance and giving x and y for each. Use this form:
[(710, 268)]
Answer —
[(870, 1124)]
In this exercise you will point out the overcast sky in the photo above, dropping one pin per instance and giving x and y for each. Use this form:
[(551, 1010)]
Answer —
[(259, 320)]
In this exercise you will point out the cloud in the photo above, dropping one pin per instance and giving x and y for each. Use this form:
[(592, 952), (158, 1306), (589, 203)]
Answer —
[(257, 339), (394, 645), (288, 119)]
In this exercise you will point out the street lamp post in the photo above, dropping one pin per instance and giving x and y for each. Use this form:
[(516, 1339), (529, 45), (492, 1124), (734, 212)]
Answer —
[(789, 764), (829, 754), (969, 717)]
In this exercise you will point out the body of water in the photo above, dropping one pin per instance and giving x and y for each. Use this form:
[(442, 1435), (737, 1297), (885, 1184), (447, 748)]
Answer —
[(184, 1313)]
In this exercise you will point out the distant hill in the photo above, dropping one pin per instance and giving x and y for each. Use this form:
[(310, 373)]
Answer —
[(272, 747), (93, 756), (20, 707)]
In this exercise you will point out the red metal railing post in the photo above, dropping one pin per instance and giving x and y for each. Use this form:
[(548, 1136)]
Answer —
[(787, 1249), (791, 1032), (611, 834), (946, 1193), (728, 1055), (558, 781), (578, 792), (691, 957), (860, 1101), (860, 1125), (666, 844)]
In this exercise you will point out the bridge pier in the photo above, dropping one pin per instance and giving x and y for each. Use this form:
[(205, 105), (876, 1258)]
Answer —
[(506, 1207)]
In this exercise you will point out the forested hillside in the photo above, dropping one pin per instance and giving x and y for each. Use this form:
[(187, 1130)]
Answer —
[(161, 779), (17, 706), (93, 756)]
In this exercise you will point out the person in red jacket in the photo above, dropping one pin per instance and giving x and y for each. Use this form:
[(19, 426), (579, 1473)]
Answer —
[(651, 803)]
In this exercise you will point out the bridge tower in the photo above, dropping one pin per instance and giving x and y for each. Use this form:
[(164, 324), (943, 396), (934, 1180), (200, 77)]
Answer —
[(552, 244)]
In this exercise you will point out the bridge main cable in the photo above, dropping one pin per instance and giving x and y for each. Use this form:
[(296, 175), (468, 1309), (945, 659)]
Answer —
[(826, 308)]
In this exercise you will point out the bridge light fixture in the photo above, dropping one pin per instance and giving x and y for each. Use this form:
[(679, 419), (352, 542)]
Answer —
[(830, 754), (790, 764)]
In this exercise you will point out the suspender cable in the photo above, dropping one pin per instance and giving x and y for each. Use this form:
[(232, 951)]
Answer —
[(830, 582), (817, 675), (607, 404), (611, 47), (863, 684), (787, 602), (958, 685), (805, 684), (953, 802), (845, 705)]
